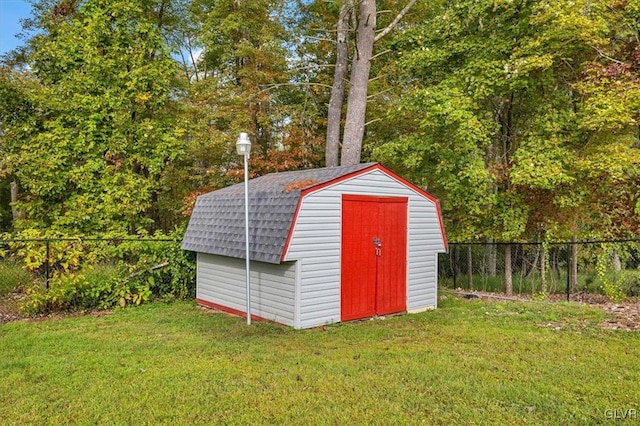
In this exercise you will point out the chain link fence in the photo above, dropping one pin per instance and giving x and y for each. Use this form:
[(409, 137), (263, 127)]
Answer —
[(28, 265), (607, 268), (566, 270)]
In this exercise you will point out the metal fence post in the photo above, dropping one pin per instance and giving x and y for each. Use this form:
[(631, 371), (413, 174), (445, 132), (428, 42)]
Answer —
[(568, 271), (454, 263)]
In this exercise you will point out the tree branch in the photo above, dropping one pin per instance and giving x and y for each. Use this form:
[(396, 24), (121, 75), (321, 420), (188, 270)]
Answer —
[(372, 121), (275, 86), (378, 94), (604, 55), (380, 54), (397, 19)]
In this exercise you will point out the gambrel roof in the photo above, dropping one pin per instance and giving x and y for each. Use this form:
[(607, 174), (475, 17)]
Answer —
[(217, 222)]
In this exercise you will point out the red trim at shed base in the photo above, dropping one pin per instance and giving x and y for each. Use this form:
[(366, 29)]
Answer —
[(232, 311)]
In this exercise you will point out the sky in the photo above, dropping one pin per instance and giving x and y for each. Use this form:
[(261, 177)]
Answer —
[(11, 11)]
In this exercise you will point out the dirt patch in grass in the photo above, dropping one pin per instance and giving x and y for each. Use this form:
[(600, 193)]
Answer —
[(10, 307), (623, 315)]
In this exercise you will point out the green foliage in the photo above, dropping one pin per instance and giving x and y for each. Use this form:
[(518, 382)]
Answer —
[(100, 274), (105, 131), (612, 290), (610, 287), (449, 143), (108, 286), (102, 138), (541, 163), (5, 205), (93, 288), (13, 277), (244, 79), (523, 97), (609, 269), (629, 282), (520, 116), (616, 285)]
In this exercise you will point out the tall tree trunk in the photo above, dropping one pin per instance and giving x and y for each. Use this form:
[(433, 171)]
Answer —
[(534, 262), (359, 81), (17, 214), (508, 273), (357, 99), (456, 265), (453, 266), (334, 115), (493, 258), (617, 263), (522, 260)]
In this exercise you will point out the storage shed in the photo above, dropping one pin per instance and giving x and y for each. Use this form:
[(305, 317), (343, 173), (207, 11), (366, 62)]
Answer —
[(326, 245)]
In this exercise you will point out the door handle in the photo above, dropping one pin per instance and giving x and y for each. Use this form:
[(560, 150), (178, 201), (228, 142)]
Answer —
[(378, 244)]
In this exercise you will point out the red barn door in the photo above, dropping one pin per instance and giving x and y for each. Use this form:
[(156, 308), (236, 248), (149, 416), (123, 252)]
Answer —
[(374, 251)]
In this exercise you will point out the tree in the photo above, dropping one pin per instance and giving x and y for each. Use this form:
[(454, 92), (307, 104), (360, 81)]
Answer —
[(334, 113), (365, 18), (358, 84), (360, 68), (101, 139), (246, 81), (611, 111), (494, 91)]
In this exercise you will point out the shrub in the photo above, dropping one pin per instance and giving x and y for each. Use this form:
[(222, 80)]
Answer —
[(90, 289), (100, 287), (627, 282), (13, 277), (137, 271), (610, 281)]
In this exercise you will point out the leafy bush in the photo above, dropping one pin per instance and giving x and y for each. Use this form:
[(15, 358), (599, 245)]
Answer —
[(104, 287), (620, 284), (631, 283), (91, 289), (12, 276), (100, 274), (613, 290)]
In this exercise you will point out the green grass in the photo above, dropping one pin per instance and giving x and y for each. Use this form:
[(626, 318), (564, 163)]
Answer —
[(464, 363)]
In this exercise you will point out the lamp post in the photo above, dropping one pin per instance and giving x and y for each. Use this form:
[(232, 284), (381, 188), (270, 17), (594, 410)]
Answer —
[(243, 146)]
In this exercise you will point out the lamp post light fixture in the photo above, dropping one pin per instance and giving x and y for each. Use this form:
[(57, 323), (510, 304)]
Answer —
[(243, 146)]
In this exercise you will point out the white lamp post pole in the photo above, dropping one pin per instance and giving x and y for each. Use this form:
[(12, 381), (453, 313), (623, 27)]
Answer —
[(243, 146)]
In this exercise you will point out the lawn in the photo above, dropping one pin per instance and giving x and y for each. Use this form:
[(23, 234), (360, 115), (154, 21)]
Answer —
[(464, 363)]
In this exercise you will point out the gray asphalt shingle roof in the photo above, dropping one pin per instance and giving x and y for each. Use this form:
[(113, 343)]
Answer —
[(217, 222)]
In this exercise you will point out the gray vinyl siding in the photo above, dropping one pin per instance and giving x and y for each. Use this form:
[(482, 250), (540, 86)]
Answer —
[(316, 239), (423, 289), (222, 280)]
